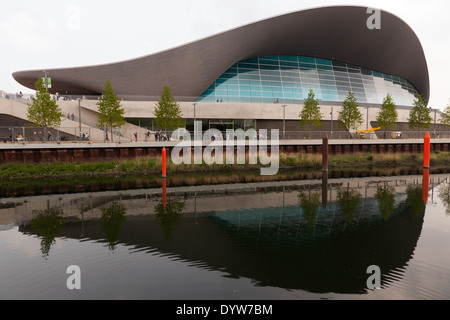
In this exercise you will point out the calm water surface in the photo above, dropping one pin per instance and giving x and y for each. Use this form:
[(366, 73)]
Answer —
[(308, 239)]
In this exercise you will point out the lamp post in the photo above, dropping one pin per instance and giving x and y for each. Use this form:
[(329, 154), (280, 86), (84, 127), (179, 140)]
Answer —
[(367, 124), (435, 111), (331, 113), (79, 115), (46, 81), (284, 120), (195, 119)]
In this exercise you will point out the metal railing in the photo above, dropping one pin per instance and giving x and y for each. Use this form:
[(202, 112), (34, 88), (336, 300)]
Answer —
[(73, 134), (130, 135)]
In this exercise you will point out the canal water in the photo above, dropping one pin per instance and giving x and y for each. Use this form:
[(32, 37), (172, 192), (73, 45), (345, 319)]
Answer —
[(285, 240)]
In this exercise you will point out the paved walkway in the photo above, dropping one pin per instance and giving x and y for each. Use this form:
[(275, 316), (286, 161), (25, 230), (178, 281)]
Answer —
[(153, 144)]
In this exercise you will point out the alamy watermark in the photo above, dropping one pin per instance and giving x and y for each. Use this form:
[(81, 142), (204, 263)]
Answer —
[(74, 280), (374, 21), (374, 281), (234, 142)]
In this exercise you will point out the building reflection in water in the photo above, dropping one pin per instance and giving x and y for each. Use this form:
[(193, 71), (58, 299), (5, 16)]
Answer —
[(318, 236)]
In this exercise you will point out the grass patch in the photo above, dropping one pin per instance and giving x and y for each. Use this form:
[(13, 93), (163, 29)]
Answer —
[(153, 166)]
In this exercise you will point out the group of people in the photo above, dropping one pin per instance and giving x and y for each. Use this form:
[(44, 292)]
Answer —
[(226, 136), (161, 136), (85, 136)]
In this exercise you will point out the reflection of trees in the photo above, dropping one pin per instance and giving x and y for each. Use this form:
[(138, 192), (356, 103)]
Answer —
[(444, 195), (169, 216), (415, 200), (47, 225), (113, 217), (310, 206), (386, 201), (348, 200)]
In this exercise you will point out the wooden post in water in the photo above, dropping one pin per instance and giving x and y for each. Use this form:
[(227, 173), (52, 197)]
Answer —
[(324, 190), (325, 153), (164, 163), (426, 151)]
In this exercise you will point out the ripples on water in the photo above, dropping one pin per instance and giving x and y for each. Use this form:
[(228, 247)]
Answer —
[(306, 239)]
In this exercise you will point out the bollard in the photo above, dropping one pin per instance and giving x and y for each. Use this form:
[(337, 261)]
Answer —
[(164, 193), (426, 151), (325, 153), (425, 185), (164, 163)]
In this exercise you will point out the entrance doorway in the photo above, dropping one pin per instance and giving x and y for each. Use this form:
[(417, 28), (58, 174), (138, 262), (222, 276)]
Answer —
[(222, 126)]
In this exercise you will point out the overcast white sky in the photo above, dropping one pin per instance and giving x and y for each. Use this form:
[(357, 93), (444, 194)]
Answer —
[(68, 33)]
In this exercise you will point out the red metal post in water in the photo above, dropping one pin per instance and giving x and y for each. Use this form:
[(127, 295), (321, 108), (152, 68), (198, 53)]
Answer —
[(164, 193), (426, 151), (425, 185), (164, 163)]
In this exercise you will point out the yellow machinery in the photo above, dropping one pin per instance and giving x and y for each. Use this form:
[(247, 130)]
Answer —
[(396, 135), (364, 134)]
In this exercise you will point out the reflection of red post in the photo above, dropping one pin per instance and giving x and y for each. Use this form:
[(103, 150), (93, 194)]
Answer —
[(426, 151), (164, 164), (164, 193), (425, 185)]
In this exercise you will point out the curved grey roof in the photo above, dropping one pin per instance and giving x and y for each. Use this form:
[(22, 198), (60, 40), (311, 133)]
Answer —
[(334, 33)]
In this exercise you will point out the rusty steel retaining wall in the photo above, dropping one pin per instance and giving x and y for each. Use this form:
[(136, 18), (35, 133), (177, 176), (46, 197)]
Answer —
[(48, 153)]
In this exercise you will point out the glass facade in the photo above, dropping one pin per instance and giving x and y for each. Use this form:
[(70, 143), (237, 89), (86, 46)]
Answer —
[(288, 79)]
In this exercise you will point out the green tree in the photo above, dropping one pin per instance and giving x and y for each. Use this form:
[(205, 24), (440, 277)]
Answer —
[(310, 116), (444, 195), (110, 111), (47, 225), (419, 116), (386, 201), (445, 116), (113, 218), (350, 116), (414, 200), (388, 115), (44, 112), (168, 111), (169, 216), (310, 206), (348, 200)]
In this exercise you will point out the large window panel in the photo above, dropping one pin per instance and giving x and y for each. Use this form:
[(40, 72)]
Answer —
[(267, 62), (289, 64), (323, 62), (245, 93), (254, 77), (289, 78), (252, 61)]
